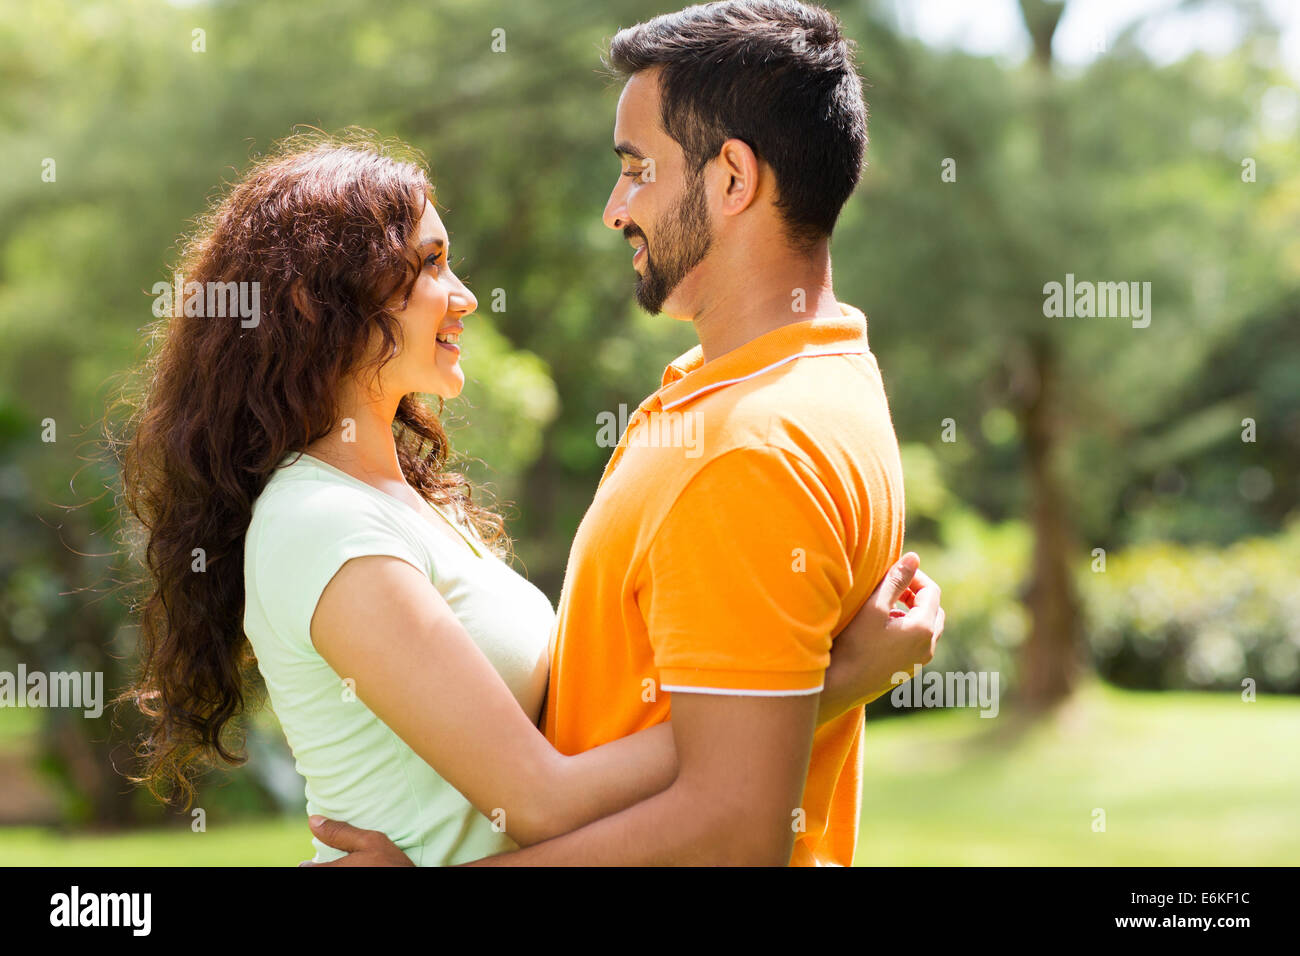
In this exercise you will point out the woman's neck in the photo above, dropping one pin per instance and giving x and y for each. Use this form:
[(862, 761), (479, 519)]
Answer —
[(362, 442)]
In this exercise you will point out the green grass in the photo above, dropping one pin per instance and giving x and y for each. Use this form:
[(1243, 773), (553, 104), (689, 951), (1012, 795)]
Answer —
[(1184, 778), (275, 842)]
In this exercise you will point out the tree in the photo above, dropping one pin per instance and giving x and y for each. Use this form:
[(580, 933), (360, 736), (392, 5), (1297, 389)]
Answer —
[(987, 184)]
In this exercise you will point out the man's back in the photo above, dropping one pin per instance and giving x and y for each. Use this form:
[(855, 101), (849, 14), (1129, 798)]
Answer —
[(753, 504)]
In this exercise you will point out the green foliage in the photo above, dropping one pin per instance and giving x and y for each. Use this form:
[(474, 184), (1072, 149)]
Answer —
[(1160, 616), (1164, 616), (1137, 176), (1143, 183)]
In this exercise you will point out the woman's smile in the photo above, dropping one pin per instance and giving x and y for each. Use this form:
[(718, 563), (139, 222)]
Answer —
[(449, 337)]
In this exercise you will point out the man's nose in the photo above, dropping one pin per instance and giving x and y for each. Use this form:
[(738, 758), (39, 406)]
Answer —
[(615, 215)]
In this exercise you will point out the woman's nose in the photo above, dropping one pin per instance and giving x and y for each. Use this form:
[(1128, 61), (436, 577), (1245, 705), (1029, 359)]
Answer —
[(462, 301), (468, 304)]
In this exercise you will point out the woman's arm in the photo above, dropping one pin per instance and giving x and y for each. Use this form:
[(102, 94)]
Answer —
[(879, 648), (381, 623)]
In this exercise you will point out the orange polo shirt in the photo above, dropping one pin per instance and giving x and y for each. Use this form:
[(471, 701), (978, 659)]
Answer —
[(752, 504)]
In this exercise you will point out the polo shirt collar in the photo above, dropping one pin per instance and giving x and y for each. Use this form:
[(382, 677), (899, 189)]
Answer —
[(688, 376)]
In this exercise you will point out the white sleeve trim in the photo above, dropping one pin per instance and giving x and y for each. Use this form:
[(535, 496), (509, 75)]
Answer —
[(733, 692)]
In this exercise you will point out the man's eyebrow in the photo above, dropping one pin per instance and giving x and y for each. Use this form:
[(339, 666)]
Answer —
[(627, 149)]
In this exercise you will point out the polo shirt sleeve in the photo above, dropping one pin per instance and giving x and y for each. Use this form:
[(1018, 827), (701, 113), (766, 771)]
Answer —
[(744, 581)]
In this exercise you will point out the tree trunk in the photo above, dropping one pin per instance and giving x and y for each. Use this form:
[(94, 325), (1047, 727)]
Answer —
[(1050, 661)]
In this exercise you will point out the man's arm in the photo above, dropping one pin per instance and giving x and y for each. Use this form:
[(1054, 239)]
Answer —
[(729, 789), (743, 761)]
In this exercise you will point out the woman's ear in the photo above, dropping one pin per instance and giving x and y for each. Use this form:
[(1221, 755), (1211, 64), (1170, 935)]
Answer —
[(301, 301)]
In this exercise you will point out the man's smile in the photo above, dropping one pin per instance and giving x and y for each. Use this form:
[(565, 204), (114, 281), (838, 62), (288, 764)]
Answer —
[(638, 242)]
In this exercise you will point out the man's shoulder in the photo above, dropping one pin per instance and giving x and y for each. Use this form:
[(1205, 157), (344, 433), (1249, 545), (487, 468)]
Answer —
[(803, 407)]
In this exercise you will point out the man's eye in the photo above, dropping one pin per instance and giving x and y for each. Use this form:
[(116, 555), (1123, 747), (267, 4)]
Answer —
[(632, 173)]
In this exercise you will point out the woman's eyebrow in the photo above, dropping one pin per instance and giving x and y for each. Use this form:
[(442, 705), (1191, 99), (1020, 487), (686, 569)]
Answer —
[(432, 241)]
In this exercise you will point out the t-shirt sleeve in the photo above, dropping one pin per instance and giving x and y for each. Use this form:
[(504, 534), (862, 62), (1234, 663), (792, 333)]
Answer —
[(303, 542), (744, 581)]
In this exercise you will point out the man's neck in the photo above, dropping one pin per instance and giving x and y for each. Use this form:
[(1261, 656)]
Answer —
[(760, 297)]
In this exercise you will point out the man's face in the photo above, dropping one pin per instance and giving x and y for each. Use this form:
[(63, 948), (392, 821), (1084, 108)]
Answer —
[(658, 203)]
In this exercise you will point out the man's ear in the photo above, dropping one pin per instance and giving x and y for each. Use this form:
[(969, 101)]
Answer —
[(737, 162)]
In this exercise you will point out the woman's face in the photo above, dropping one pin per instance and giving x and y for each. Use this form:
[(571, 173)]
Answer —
[(432, 320)]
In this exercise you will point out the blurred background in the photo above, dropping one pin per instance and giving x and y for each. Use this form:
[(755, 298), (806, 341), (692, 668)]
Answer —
[(1110, 510)]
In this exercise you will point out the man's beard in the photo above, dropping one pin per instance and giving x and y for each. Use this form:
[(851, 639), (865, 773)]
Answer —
[(683, 242)]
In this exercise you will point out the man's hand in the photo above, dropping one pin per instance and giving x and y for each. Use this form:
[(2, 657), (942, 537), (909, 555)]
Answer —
[(883, 641), (364, 847)]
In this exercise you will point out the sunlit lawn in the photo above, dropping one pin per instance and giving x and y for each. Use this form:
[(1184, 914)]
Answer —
[(274, 842), (1183, 778)]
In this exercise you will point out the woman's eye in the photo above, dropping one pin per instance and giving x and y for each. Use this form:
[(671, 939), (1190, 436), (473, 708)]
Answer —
[(431, 260)]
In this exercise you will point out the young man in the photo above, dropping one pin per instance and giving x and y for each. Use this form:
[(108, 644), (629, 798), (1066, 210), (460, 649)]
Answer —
[(741, 132)]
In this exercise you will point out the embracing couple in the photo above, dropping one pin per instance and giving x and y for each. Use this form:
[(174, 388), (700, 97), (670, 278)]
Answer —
[(727, 608)]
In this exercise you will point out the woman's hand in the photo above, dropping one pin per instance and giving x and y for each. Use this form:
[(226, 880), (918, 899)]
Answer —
[(882, 644)]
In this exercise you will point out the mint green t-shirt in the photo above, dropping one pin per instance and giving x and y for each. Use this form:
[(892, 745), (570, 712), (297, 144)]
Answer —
[(308, 522)]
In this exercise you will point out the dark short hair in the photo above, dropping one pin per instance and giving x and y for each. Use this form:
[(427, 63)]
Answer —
[(778, 75)]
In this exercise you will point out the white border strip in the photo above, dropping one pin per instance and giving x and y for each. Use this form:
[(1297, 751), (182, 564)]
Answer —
[(732, 692)]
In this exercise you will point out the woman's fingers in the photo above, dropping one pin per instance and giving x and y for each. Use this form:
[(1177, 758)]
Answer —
[(897, 580)]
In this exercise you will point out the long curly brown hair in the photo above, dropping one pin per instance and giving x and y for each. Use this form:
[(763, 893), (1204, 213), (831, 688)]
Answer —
[(323, 225)]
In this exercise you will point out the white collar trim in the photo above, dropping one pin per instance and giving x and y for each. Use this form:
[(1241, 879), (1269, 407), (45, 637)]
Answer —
[(768, 368)]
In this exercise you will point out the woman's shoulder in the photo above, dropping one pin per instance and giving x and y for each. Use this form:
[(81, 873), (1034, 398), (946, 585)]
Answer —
[(306, 524), (307, 510)]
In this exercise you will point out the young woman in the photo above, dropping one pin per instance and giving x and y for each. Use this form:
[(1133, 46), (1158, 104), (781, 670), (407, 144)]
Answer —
[(288, 481)]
